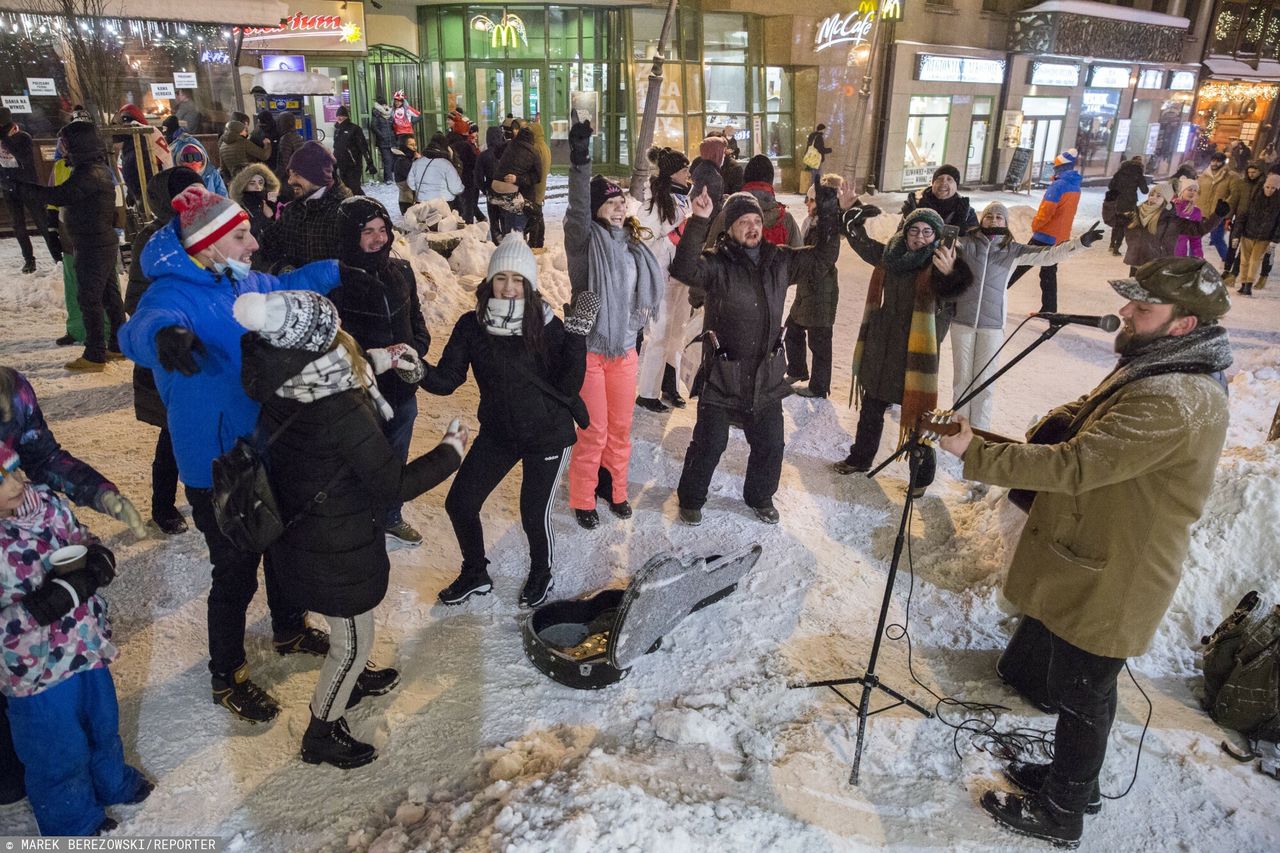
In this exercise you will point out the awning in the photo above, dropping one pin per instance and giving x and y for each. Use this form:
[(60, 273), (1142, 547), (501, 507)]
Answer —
[(286, 82), (1267, 69)]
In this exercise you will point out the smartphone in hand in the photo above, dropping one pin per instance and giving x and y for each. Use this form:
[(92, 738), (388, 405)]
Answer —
[(949, 235)]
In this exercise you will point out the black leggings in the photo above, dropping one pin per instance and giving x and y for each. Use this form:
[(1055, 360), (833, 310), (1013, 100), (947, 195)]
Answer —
[(485, 466)]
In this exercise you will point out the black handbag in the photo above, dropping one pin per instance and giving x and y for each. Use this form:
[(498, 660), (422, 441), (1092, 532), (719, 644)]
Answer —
[(244, 504)]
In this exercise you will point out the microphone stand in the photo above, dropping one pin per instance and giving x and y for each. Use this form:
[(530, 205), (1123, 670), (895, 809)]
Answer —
[(914, 449)]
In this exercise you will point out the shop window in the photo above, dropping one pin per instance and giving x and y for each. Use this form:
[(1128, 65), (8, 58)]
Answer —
[(1151, 78), (928, 120), (1053, 107), (1271, 37), (430, 37), (1252, 29), (724, 37), (671, 99), (1226, 28), (646, 29), (690, 31), (562, 32), (726, 88), (777, 90), (779, 134), (453, 36), (455, 89)]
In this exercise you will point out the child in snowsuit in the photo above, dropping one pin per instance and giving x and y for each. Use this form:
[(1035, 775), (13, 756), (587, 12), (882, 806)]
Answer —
[(56, 649)]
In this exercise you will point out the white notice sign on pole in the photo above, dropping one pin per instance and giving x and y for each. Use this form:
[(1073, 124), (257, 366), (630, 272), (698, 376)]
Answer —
[(41, 86)]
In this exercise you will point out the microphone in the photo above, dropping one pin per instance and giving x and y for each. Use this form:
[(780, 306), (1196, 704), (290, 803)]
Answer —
[(1107, 322)]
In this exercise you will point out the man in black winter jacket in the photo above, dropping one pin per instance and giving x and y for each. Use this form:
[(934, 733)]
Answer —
[(384, 137), (943, 197), (378, 305), (18, 164), (88, 211), (350, 149), (521, 165), (466, 154), (495, 141), (745, 279), (307, 228)]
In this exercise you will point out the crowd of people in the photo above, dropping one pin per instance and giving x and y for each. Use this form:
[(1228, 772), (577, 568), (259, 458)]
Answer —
[(292, 327)]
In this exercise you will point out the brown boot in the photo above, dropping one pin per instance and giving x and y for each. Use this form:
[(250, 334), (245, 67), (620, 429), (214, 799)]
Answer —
[(1262, 282)]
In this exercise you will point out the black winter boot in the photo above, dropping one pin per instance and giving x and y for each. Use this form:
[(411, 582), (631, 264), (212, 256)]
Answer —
[(1246, 289), (239, 695), (536, 588), (332, 743), (308, 641), (1030, 778), (468, 583), (588, 519), (1034, 816), (373, 681)]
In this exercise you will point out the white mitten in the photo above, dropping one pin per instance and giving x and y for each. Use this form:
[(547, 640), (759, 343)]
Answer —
[(456, 436), (380, 360)]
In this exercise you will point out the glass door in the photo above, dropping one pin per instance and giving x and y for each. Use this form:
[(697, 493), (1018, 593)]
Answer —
[(491, 97), (525, 93), (1043, 134), (979, 133)]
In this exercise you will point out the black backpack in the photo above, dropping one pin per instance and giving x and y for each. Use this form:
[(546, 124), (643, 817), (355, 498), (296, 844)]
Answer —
[(243, 503), (1242, 670)]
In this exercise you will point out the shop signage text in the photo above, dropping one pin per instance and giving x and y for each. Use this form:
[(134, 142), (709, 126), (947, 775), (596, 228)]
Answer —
[(300, 23), (342, 29), (958, 69), (41, 86), (1109, 77), (1183, 81), (185, 79), (1054, 74), (17, 103), (162, 90), (215, 57), (855, 27)]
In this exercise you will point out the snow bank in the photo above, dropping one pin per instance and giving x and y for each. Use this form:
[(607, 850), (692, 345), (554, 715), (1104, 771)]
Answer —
[(39, 292)]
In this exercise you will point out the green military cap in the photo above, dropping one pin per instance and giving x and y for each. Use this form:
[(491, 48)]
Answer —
[(1192, 283)]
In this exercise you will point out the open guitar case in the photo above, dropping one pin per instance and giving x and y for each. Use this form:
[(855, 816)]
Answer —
[(590, 643)]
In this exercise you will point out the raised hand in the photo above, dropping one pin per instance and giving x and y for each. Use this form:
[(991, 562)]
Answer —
[(1088, 238), (702, 204), (944, 258), (580, 143)]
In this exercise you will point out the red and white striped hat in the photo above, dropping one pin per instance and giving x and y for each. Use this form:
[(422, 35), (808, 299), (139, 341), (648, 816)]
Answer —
[(205, 217)]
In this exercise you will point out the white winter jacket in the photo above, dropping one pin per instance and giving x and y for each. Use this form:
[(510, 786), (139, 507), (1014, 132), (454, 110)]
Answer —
[(431, 178), (992, 260), (663, 242)]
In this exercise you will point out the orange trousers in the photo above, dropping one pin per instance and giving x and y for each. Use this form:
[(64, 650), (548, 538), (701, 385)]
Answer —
[(609, 390)]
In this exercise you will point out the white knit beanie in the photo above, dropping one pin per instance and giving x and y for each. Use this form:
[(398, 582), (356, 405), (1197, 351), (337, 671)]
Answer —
[(514, 255)]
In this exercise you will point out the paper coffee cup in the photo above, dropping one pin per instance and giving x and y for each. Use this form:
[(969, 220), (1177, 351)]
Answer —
[(66, 560)]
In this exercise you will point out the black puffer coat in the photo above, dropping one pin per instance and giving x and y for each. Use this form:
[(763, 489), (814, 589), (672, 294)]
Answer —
[(88, 197), (954, 211), (487, 163), (703, 173), (511, 405), (522, 160), (334, 560), (1127, 183), (1261, 219), (744, 301)]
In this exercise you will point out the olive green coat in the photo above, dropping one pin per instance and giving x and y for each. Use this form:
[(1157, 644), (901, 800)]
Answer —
[(1103, 547)]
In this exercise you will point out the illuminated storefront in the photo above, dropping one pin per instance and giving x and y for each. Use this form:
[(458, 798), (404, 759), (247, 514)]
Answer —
[(1227, 110)]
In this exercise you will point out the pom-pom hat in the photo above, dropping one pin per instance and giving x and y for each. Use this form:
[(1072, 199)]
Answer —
[(205, 217)]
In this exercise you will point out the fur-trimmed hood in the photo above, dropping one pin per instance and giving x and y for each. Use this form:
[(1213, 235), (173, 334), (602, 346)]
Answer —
[(236, 190)]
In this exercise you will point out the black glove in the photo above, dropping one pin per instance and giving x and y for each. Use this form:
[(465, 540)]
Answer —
[(52, 601), (580, 143), (176, 348), (856, 217), (1088, 238), (369, 169), (1221, 209), (828, 201), (101, 563)]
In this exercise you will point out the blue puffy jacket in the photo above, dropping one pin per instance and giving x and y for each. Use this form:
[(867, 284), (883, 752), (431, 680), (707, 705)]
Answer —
[(210, 410)]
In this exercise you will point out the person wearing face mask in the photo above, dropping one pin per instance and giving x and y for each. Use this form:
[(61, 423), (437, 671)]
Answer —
[(184, 331), (977, 329), (379, 307), (528, 366), (256, 189), (1258, 227), (745, 279), (1155, 229), (606, 256), (664, 216), (896, 357), (943, 197)]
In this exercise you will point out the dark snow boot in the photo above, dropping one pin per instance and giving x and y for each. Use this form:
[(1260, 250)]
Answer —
[(308, 641), (622, 509), (652, 404), (373, 681), (332, 743), (1246, 289), (1034, 816), (29, 267), (169, 520), (536, 588), (767, 513), (468, 583), (1030, 778), (239, 695), (671, 389), (107, 825), (588, 519), (145, 787)]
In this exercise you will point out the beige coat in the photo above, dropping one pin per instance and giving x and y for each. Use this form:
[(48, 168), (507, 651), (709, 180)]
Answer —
[(1102, 550), (1214, 188)]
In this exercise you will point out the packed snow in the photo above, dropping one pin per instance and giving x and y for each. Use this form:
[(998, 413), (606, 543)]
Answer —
[(703, 746)]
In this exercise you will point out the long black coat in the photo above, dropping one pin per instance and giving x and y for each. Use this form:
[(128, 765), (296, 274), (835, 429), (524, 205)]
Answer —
[(521, 159), (350, 148), (744, 301), (382, 310), (147, 405), (511, 406), (1127, 183), (334, 560), (487, 163), (87, 199)]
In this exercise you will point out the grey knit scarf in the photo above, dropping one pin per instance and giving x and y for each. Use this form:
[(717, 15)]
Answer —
[(623, 310), (333, 373)]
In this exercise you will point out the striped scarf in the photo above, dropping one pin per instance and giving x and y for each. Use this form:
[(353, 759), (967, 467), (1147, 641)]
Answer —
[(333, 373), (920, 384)]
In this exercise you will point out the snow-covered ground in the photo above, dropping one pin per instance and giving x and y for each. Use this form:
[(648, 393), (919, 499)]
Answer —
[(703, 746)]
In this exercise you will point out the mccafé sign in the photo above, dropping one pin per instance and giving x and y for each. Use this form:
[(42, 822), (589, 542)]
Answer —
[(854, 28)]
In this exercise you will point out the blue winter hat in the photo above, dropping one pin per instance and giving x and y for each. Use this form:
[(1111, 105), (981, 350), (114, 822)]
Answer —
[(1065, 160)]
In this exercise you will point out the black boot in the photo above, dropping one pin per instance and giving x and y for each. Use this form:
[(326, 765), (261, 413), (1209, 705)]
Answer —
[(169, 520), (622, 509), (588, 519), (536, 588), (469, 582), (671, 389), (332, 743), (373, 681), (653, 404), (1036, 817), (1246, 289), (29, 267), (1030, 778), (242, 697), (308, 641)]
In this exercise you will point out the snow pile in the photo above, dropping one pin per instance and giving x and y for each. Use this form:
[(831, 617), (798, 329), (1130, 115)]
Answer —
[(40, 292)]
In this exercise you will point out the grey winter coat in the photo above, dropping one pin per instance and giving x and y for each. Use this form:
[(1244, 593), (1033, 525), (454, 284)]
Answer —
[(992, 260)]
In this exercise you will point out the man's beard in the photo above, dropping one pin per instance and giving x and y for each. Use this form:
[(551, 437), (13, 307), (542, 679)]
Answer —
[(1131, 343)]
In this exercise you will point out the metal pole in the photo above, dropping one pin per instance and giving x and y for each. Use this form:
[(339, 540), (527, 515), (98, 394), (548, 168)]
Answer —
[(860, 108), (639, 162)]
